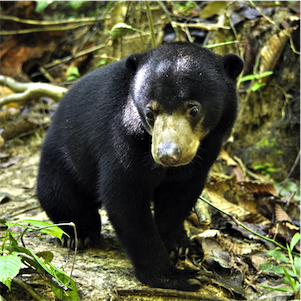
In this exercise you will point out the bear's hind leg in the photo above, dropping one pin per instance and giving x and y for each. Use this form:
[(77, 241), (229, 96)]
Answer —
[(64, 200)]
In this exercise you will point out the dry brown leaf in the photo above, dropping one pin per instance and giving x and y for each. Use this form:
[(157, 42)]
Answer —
[(232, 247), (257, 261), (193, 218), (258, 189), (283, 231), (225, 205), (236, 211), (271, 52), (250, 54), (280, 214), (239, 173), (225, 156), (219, 185)]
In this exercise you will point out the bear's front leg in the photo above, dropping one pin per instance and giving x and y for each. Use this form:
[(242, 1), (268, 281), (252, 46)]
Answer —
[(129, 211), (173, 202)]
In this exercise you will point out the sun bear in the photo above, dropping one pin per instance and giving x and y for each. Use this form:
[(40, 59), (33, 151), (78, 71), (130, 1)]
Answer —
[(140, 131)]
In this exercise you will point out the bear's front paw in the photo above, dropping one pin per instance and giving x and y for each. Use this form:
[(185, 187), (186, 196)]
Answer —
[(90, 240), (171, 278)]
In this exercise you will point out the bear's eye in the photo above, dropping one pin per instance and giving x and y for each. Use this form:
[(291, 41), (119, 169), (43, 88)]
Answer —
[(149, 114), (194, 111)]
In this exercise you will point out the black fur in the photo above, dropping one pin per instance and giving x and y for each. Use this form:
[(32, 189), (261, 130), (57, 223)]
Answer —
[(97, 152)]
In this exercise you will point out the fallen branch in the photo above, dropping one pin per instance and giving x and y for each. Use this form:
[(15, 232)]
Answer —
[(27, 91)]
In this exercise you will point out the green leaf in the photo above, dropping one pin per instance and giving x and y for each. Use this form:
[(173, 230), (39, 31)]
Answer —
[(260, 166), (278, 255), (60, 293), (75, 5), (276, 269), (41, 5), (297, 265), (37, 263), (268, 267), (120, 30), (294, 240), (10, 266), (53, 230), (73, 73), (102, 63), (248, 77), (292, 282), (12, 245), (72, 77), (255, 76), (46, 255), (264, 74), (256, 86), (61, 287), (65, 288)]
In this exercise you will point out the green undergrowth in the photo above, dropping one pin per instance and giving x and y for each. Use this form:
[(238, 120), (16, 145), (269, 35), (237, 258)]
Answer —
[(17, 259)]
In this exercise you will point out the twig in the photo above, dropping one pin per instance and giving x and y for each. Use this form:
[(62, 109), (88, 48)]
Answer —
[(71, 224), (75, 56), (29, 289), (199, 25), (150, 23), (27, 91), (75, 249), (49, 23), (265, 16), (221, 44), (42, 29)]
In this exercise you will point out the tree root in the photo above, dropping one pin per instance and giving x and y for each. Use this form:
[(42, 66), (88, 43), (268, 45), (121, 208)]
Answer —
[(27, 91)]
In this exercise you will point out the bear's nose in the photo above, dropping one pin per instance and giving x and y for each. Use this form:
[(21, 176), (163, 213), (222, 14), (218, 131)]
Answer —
[(169, 153)]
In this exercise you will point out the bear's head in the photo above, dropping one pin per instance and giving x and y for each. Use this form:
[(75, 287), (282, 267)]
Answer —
[(182, 93)]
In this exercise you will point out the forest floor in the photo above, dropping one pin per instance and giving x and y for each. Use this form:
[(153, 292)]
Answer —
[(106, 273), (266, 137), (96, 272)]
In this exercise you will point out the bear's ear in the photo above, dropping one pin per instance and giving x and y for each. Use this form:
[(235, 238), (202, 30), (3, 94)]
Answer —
[(233, 65), (132, 63)]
